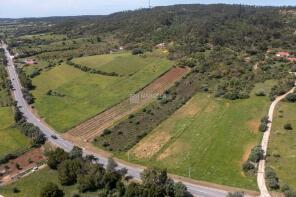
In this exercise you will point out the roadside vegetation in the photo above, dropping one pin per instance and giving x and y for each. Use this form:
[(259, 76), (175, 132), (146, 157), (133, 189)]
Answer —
[(12, 139), (71, 174)]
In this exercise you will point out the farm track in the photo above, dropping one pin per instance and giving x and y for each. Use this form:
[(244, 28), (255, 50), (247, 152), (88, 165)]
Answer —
[(94, 126)]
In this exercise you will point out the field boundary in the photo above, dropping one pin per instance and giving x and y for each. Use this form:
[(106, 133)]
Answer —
[(93, 126), (120, 100)]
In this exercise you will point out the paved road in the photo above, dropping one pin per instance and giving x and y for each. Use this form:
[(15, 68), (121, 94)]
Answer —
[(261, 169), (197, 190)]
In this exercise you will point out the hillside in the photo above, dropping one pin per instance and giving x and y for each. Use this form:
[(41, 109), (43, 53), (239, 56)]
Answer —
[(208, 74)]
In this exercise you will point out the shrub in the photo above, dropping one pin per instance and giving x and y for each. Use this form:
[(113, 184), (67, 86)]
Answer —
[(51, 190), (285, 187), (15, 190), (264, 124), (247, 166), (271, 179), (263, 127), (18, 166), (290, 193), (265, 119), (288, 126), (260, 93), (291, 97), (137, 51), (257, 154), (106, 132)]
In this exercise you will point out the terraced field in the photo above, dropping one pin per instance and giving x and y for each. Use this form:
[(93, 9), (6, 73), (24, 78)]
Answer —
[(96, 125), (209, 137), (83, 95)]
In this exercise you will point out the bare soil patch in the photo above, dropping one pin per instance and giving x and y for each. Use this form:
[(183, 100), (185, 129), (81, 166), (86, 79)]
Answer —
[(22, 163), (253, 125), (151, 145), (190, 109), (211, 108), (247, 152), (174, 149)]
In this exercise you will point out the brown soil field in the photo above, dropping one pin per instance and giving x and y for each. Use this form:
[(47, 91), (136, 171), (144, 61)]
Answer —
[(94, 126), (26, 161)]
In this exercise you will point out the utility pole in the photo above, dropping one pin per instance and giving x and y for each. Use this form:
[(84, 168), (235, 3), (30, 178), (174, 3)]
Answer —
[(149, 4), (189, 172)]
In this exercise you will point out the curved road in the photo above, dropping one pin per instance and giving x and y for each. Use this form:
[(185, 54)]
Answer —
[(194, 189), (261, 168)]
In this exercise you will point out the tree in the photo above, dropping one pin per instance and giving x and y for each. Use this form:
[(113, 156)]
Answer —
[(132, 190), (86, 182), (76, 152), (111, 165), (68, 170), (56, 157), (180, 190), (18, 115), (51, 190), (257, 154)]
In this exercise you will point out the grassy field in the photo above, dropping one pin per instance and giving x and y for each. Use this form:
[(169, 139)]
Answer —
[(32, 185), (46, 37), (282, 145), (84, 94), (29, 69), (211, 137), (120, 63), (11, 138)]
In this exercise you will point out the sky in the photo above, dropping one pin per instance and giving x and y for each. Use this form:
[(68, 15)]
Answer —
[(42, 8)]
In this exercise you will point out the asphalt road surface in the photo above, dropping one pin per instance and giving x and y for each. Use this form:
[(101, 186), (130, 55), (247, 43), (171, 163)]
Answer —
[(194, 189)]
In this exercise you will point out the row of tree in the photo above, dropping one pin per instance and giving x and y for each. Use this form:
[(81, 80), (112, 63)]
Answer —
[(91, 70)]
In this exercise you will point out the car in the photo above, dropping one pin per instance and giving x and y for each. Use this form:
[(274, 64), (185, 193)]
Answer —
[(54, 137)]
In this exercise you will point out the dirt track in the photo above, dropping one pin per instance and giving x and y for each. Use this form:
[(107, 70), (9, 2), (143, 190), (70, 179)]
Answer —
[(265, 140), (94, 126)]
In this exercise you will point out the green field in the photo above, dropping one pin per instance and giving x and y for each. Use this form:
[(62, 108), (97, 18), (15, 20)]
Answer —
[(211, 137), (120, 63), (46, 37), (11, 138), (31, 185), (282, 145), (85, 94), (29, 69)]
